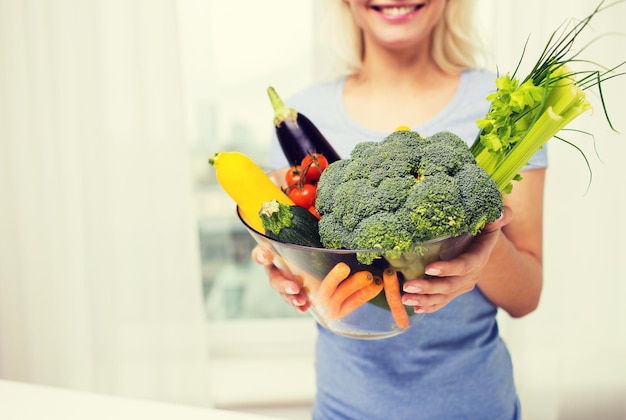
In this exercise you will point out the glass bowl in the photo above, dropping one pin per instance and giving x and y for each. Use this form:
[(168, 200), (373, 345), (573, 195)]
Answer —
[(371, 320)]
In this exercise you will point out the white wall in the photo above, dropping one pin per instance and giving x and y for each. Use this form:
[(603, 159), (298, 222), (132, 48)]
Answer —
[(569, 353)]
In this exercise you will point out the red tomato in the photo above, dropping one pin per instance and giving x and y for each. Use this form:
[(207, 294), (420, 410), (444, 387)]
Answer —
[(313, 210), (302, 195), (294, 175), (312, 166)]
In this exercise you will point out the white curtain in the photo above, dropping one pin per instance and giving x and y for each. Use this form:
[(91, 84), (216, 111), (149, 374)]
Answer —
[(569, 355), (100, 284)]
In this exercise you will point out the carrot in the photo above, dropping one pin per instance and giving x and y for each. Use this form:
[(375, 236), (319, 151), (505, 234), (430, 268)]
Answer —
[(391, 284), (350, 285), (330, 282), (360, 297)]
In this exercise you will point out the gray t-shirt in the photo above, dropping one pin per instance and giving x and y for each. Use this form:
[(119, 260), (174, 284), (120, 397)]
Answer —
[(323, 105), (453, 363)]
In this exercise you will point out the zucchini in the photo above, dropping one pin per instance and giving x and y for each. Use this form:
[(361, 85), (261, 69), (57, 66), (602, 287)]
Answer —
[(297, 135), (247, 184), (290, 224), (297, 225)]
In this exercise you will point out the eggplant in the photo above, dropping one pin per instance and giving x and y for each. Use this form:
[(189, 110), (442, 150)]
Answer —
[(297, 134)]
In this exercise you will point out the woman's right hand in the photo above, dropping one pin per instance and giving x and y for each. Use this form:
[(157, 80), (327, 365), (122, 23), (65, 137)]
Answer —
[(282, 281)]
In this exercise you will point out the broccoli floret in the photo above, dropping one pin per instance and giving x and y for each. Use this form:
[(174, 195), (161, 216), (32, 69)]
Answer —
[(400, 146), (443, 158), (363, 149), (391, 168), (394, 156), (395, 194), (336, 235), (333, 176), (360, 168), (444, 152), (400, 141), (450, 139), (435, 208), (392, 193), (374, 197), (382, 231), (349, 211), (480, 196)]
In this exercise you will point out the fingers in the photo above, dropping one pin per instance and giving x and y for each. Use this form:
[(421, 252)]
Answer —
[(262, 255), (427, 296), (290, 290), (289, 287), (477, 254), (284, 282), (446, 280)]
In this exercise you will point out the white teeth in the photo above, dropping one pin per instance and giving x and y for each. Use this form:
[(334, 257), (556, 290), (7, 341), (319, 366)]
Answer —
[(397, 11)]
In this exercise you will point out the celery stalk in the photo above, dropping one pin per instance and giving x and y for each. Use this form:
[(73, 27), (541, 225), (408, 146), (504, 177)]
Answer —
[(525, 115), (548, 124)]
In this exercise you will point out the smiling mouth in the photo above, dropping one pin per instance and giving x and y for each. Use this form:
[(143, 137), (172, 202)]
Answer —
[(397, 10)]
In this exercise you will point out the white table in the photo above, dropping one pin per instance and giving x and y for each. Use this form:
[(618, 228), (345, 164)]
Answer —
[(21, 401)]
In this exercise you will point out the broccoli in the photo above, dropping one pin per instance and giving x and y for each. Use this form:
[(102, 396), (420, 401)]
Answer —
[(381, 231), (405, 190), (435, 208), (325, 192), (480, 196), (336, 235), (440, 157)]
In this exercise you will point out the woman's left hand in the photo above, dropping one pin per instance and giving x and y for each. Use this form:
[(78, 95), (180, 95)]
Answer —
[(450, 279)]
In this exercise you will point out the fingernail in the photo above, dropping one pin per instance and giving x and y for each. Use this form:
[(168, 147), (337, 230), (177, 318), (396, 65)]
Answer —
[(410, 288), (290, 290), (261, 258), (433, 271), (411, 302)]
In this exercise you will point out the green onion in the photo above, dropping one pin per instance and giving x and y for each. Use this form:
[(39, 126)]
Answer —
[(525, 114)]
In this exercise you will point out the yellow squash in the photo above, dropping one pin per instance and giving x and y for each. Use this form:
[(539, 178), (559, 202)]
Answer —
[(247, 184)]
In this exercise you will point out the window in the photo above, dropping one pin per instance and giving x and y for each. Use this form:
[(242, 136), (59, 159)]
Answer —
[(232, 52), (231, 56)]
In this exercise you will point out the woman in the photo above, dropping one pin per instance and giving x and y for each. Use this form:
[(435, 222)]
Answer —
[(414, 63)]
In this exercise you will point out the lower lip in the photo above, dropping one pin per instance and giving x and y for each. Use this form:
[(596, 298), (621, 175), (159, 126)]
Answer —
[(399, 18)]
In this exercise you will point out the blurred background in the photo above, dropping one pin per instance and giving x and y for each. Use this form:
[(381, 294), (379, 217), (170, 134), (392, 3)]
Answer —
[(123, 269)]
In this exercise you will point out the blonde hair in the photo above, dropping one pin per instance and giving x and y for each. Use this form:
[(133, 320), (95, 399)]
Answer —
[(456, 45)]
